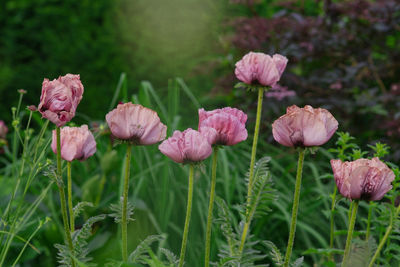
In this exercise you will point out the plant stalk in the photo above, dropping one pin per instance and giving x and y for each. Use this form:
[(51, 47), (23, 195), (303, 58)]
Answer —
[(385, 237), (62, 197), (125, 204), (255, 141), (188, 214), (252, 162), (210, 206), (370, 208), (295, 207), (332, 234), (350, 232), (70, 207)]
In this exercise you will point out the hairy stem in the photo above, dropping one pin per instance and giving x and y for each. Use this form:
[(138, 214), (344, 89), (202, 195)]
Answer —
[(350, 232), (210, 206), (385, 237), (188, 214), (370, 208), (62, 197), (69, 189), (125, 204), (252, 162), (255, 141), (295, 207), (332, 235)]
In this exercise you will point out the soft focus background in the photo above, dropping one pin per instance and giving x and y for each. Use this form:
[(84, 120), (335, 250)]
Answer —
[(343, 56)]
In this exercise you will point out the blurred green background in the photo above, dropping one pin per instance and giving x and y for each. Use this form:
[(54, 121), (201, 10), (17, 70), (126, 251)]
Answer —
[(147, 39)]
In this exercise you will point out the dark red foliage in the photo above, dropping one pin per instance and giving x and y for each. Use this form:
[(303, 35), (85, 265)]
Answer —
[(343, 56)]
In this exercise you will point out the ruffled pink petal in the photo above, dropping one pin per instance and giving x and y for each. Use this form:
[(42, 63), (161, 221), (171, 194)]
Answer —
[(136, 123), (280, 62)]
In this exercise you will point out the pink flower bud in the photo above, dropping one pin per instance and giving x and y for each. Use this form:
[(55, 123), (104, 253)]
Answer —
[(76, 143), (229, 124), (188, 146), (136, 124), (3, 129), (260, 68), (304, 127), (60, 98), (363, 178)]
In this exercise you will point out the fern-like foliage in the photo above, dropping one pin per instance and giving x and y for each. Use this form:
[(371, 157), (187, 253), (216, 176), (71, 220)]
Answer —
[(117, 211), (298, 262), (262, 191), (225, 219), (257, 205), (172, 259), (79, 208), (140, 254), (275, 253), (79, 240), (361, 252)]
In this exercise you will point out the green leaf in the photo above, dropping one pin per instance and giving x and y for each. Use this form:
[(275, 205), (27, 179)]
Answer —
[(139, 255)]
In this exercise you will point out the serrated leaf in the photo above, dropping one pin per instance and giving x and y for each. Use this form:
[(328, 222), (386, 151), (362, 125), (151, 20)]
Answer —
[(79, 208), (139, 255), (275, 253), (298, 262), (226, 222), (79, 240), (171, 257), (117, 211)]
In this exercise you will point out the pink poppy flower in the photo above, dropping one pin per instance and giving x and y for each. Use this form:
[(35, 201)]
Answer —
[(3, 129), (304, 127), (60, 98), (188, 146), (363, 178), (260, 68), (76, 143), (228, 123), (136, 124)]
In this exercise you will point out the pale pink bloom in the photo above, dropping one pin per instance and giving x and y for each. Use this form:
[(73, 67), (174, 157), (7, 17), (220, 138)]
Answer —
[(363, 178), (260, 68), (136, 124), (188, 146), (304, 127), (76, 143), (229, 124), (3, 129), (60, 98)]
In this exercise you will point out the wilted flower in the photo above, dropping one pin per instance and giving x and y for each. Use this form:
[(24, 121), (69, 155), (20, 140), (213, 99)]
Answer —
[(304, 127), (188, 146), (60, 98), (260, 68), (3, 129), (363, 178), (136, 124), (228, 123), (76, 143)]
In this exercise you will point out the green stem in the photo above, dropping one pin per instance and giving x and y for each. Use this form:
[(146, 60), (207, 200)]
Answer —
[(69, 187), (350, 232), (125, 204), (371, 207), (385, 237), (62, 197), (188, 213), (252, 162), (295, 207), (210, 206), (255, 140), (332, 235)]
